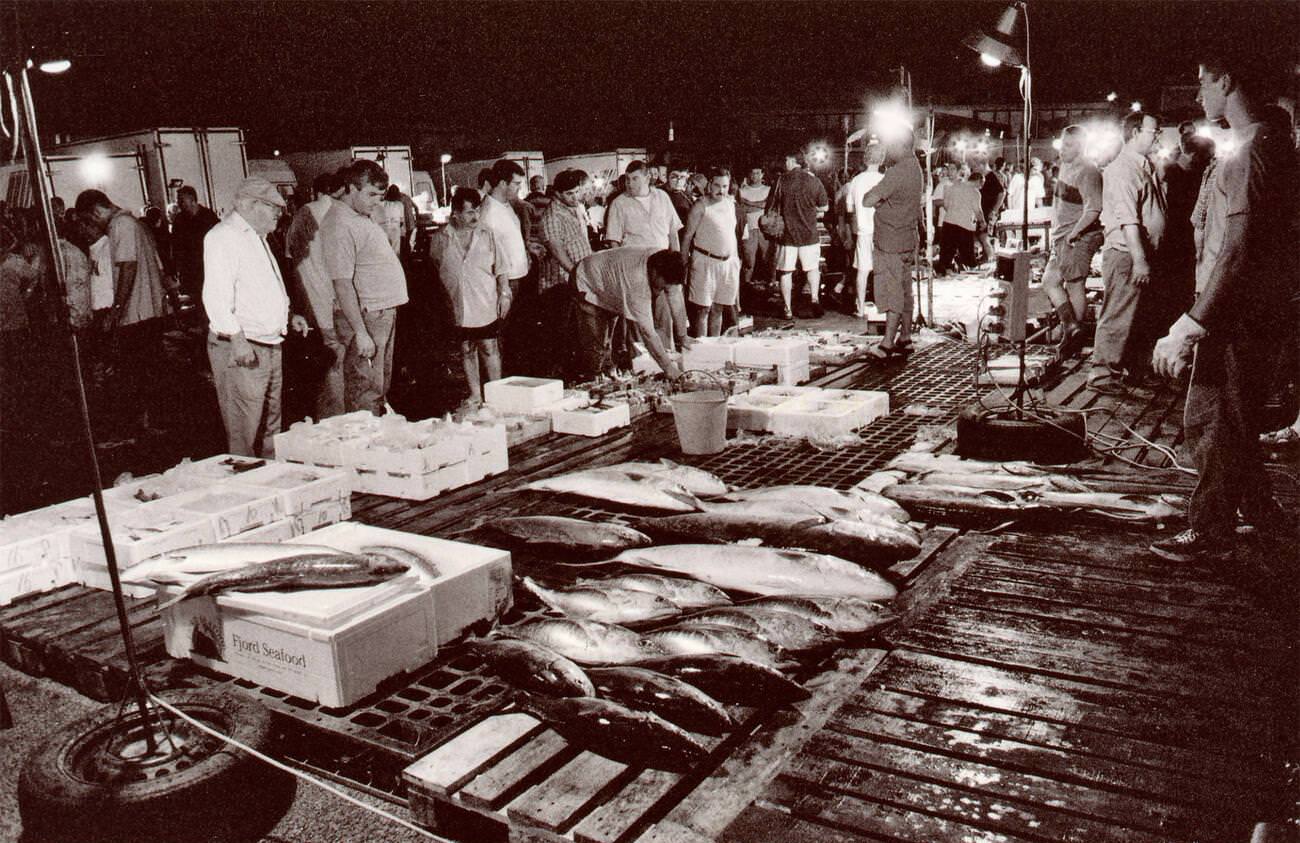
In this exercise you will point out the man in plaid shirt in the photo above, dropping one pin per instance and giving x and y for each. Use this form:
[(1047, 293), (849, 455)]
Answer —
[(564, 233)]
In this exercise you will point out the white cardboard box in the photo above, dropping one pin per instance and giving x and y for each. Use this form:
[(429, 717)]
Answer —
[(592, 421), (233, 507), (473, 585), (141, 532), (19, 582), (754, 351), (301, 487), (813, 417), (323, 515), (520, 394)]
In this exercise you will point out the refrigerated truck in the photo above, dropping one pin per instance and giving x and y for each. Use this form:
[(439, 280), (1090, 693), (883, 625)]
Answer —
[(395, 159), (603, 167), (137, 169), (465, 173)]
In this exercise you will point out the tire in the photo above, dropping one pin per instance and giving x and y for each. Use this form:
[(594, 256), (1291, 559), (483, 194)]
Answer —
[(86, 784), (998, 435)]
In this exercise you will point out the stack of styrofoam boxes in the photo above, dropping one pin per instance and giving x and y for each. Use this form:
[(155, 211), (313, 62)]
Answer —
[(789, 355), (326, 443), (34, 548), (806, 411), (416, 462), (137, 533), (308, 497), (753, 410), (334, 646), (592, 420), (711, 353), (520, 394)]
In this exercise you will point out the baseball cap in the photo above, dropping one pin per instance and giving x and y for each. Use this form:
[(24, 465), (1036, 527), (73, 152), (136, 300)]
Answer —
[(257, 187)]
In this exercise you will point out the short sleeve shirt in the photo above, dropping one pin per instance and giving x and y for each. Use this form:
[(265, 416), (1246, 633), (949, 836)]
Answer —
[(130, 242), (858, 187), (801, 194), (1131, 196), (505, 225), (897, 200), (357, 250), (616, 280), (647, 221), (961, 204), (1077, 187), (564, 229), (469, 273)]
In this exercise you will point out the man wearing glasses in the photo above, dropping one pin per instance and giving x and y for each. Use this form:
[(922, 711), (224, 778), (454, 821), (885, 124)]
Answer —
[(1133, 216)]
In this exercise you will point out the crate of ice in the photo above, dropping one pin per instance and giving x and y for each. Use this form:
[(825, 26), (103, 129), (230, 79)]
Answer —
[(232, 507), (813, 418), (519, 394), (301, 487)]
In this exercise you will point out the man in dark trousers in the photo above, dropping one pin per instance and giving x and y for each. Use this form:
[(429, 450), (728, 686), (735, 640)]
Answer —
[(1242, 319), (192, 223)]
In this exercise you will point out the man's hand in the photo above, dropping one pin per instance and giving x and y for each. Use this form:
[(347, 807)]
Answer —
[(1173, 353), (673, 371), (1141, 273), (537, 250), (365, 346), (687, 342), (242, 353), (503, 305), (299, 324)]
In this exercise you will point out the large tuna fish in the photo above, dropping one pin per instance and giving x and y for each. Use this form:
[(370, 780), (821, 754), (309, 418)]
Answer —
[(787, 630), (859, 502), (306, 571), (203, 559), (703, 639), (697, 481), (553, 532), (731, 679), (844, 615), (604, 603), (532, 667), (688, 594), (586, 642), (617, 732), (627, 488), (672, 699), (764, 570)]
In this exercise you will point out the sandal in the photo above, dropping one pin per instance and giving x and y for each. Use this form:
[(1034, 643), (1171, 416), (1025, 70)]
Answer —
[(885, 352), (1284, 437)]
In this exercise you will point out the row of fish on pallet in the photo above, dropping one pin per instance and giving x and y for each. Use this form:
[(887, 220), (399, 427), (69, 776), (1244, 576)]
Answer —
[(945, 483), (636, 661)]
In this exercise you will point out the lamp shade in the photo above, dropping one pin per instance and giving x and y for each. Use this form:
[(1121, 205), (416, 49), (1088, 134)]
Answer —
[(994, 48)]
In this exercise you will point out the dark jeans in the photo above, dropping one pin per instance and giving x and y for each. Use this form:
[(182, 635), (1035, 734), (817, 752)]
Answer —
[(955, 243), (1230, 382), (1112, 348), (596, 332), (137, 354)]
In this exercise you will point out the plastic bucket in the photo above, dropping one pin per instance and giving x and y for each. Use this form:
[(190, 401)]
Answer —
[(701, 418)]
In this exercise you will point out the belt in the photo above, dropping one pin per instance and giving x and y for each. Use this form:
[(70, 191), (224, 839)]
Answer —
[(226, 338), (706, 253)]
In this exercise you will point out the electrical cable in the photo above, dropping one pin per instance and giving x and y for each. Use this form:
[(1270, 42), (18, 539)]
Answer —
[(203, 727)]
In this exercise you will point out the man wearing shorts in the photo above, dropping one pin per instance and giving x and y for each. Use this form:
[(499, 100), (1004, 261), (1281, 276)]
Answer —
[(1076, 237), (474, 269), (799, 197), (709, 254), (864, 222), (898, 200)]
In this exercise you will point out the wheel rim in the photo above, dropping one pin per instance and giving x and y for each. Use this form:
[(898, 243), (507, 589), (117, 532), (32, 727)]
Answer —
[(117, 752)]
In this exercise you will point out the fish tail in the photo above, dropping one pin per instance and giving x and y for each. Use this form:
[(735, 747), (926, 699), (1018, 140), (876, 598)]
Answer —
[(587, 564), (173, 601)]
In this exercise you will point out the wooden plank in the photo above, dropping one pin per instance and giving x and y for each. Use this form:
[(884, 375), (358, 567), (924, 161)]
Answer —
[(556, 803), (497, 785), (763, 821), (933, 539), (617, 819), (1152, 717), (1133, 813), (27, 637), (1236, 778), (462, 757), (1177, 588)]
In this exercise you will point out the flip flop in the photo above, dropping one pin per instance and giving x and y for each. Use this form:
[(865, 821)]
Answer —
[(1284, 437)]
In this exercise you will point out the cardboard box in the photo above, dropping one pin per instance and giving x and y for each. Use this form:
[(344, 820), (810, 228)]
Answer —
[(520, 394), (301, 487), (473, 584), (592, 421), (141, 532), (232, 507)]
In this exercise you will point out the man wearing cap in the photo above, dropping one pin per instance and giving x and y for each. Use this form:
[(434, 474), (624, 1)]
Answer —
[(248, 315)]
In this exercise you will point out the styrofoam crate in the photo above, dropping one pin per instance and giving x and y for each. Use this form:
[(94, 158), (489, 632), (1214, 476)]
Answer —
[(473, 584), (765, 351), (711, 353), (322, 515), (93, 575), (233, 507), (31, 579), (872, 403), (357, 420), (276, 531), (793, 375), (28, 544), (491, 449), (573, 399), (783, 391), (592, 421), (155, 487), (441, 448), (519, 394), (140, 533), (301, 487), (812, 417), (753, 411), (418, 487), (220, 467)]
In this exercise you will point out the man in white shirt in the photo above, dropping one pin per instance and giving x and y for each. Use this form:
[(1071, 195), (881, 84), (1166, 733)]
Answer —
[(863, 222), (754, 250), (496, 215), (248, 315)]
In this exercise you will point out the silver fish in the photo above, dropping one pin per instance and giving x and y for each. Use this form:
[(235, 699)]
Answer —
[(787, 630), (697, 481), (844, 615), (204, 559), (687, 594), (306, 571), (532, 667), (642, 491), (857, 501), (764, 570), (1008, 482), (411, 559), (672, 699), (554, 531), (607, 604), (638, 738), (586, 642), (702, 639), (730, 679)]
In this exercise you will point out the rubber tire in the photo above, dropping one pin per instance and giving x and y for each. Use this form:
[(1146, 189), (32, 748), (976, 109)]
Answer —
[(227, 795), (986, 436)]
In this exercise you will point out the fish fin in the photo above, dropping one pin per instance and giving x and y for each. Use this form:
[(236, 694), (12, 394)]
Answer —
[(593, 564), (172, 602), (686, 498), (667, 463)]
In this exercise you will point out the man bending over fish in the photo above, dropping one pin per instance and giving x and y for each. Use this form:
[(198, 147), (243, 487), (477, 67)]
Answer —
[(622, 284)]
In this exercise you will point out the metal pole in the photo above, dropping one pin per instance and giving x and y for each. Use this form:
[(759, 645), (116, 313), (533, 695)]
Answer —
[(40, 190)]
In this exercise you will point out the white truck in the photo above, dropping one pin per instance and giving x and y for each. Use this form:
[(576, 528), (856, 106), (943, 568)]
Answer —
[(395, 159), (465, 173), (603, 167), (137, 169), (277, 171)]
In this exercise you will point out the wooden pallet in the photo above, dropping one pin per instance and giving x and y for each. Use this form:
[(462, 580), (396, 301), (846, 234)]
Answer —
[(509, 778)]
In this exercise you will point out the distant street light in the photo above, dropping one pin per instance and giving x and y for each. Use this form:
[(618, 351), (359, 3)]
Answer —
[(1112, 96), (1135, 106), (55, 66), (442, 162)]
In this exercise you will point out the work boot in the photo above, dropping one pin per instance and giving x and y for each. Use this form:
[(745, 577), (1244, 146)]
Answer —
[(1192, 546), (1071, 333)]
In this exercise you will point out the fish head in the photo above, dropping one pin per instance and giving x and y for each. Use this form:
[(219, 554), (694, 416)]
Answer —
[(382, 565)]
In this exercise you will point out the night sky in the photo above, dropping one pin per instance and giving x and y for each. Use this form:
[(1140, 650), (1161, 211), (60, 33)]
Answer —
[(577, 76)]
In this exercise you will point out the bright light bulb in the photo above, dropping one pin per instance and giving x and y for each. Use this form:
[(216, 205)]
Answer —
[(446, 158), (981, 147), (990, 60), (1135, 106), (1204, 131), (56, 66), (1056, 144), (961, 145), (95, 168), (1112, 96)]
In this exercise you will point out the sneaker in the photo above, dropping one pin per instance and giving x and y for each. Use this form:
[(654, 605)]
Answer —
[(1191, 546)]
